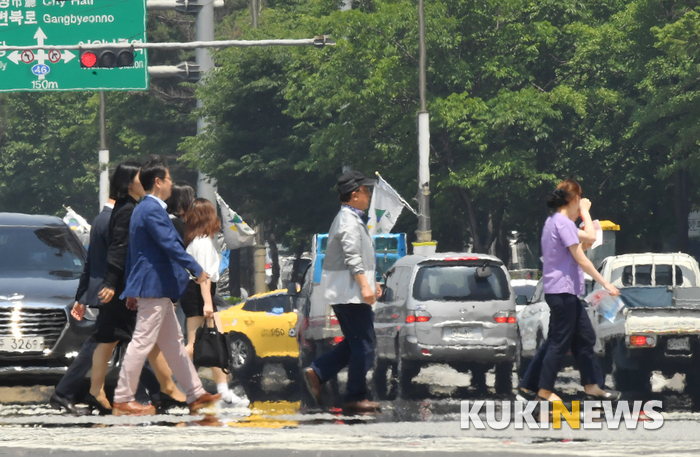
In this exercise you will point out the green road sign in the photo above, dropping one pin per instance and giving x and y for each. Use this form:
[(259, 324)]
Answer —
[(65, 23)]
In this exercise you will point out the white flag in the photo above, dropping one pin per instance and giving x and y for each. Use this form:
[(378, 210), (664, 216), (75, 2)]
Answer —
[(385, 208), (78, 224), (237, 233)]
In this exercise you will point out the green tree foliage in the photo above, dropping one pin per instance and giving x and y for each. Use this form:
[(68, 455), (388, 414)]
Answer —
[(521, 94)]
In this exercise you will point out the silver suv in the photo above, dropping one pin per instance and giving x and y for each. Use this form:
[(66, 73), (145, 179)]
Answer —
[(41, 260), (453, 308)]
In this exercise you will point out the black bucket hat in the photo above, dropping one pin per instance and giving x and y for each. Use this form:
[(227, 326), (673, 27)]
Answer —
[(351, 180)]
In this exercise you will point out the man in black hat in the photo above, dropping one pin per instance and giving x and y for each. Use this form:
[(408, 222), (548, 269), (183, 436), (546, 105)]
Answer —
[(348, 284)]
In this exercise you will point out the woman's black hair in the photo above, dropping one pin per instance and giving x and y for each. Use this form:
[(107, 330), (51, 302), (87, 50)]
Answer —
[(557, 199), (122, 177), (181, 197)]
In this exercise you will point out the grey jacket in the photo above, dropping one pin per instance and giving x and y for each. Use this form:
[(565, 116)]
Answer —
[(349, 252)]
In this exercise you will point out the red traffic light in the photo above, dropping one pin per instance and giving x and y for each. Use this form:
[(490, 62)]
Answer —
[(88, 59), (107, 58)]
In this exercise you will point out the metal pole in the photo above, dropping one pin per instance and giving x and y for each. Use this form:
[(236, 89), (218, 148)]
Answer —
[(318, 41), (422, 56), (423, 233), (103, 154), (204, 24), (254, 12), (259, 251)]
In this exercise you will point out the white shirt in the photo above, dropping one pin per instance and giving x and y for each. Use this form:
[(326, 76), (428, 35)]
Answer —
[(160, 202), (206, 254)]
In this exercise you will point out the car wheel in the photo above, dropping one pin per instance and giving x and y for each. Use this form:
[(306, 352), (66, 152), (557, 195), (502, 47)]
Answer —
[(291, 369), (636, 380), (478, 372), (692, 388), (406, 371), (242, 355), (521, 363), (631, 380), (380, 380), (403, 372), (504, 378)]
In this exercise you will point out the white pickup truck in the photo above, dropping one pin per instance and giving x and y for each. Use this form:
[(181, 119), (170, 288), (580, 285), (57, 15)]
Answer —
[(659, 328)]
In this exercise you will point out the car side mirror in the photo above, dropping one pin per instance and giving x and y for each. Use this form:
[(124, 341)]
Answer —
[(521, 300)]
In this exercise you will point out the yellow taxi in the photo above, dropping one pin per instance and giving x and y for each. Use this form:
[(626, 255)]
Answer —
[(260, 330)]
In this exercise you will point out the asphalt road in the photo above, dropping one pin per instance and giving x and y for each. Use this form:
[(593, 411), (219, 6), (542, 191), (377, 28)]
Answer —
[(277, 424)]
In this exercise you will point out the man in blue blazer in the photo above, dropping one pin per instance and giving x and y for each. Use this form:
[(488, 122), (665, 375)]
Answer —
[(157, 276), (86, 296)]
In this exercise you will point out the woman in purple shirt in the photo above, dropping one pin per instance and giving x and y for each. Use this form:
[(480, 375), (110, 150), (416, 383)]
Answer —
[(570, 328)]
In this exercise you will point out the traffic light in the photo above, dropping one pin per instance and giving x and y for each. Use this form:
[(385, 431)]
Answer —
[(107, 58)]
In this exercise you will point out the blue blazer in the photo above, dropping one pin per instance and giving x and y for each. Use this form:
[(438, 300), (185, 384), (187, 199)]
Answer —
[(96, 265), (156, 261)]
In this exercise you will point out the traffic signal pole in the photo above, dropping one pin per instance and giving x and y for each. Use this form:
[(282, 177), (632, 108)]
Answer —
[(424, 244), (103, 154), (204, 31)]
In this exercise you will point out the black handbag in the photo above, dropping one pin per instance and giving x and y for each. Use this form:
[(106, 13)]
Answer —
[(211, 348)]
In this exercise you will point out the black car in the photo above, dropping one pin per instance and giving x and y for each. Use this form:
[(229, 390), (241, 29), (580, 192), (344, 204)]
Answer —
[(41, 260)]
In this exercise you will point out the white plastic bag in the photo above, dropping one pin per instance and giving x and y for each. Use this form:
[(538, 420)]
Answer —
[(605, 304)]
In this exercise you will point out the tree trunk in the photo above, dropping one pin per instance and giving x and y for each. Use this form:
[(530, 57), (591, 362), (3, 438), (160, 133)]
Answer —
[(274, 257), (682, 210), (473, 225), (503, 251)]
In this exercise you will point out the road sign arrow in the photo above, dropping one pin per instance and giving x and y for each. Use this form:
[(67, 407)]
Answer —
[(67, 56), (14, 57), (40, 36)]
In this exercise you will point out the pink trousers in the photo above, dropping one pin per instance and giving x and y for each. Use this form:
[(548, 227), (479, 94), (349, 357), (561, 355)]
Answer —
[(156, 323)]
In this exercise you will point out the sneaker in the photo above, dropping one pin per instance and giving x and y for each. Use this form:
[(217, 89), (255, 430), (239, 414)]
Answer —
[(234, 400)]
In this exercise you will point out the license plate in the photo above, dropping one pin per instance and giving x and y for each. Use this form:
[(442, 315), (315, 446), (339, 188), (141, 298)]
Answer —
[(678, 344), (462, 333), (25, 344)]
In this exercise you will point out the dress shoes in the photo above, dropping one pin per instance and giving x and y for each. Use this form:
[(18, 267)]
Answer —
[(363, 406), (525, 395), (166, 402), (132, 408), (608, 395), (313, 384), (58, 402), (203, 401), (94, 403)]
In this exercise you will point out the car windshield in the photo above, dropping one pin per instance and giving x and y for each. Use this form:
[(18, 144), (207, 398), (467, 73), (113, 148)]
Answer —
[(525, 290), (53, 249), (459, 283), (275, 304)]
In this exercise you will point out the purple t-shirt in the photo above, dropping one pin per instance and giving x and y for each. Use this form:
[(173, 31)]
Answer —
[(561, 273)]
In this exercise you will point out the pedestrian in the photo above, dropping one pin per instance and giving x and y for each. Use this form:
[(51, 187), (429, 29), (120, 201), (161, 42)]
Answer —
[(118, 322), (348, 284), (157, 276), (201, 226), (564, 262), (181, 197), (70, 384)]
